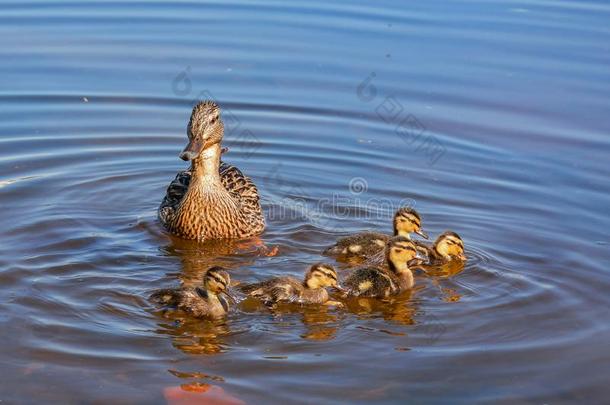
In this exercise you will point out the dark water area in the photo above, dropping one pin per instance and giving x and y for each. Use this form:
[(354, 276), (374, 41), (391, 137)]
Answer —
[(491, 118)]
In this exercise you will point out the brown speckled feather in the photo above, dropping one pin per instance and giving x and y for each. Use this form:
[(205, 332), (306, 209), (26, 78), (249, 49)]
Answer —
[(194, 301), (362, 245), (285, 289), (371, 282), (232, 212)]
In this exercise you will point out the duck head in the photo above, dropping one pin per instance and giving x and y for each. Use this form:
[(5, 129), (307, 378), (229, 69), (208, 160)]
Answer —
[(205, 129), (217, 281), (407, 221), (321, 275), (449, 245), (401, 251)]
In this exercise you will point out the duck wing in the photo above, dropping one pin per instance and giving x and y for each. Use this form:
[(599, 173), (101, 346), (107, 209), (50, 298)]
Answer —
[(174, 194), (167, 297), (275, 290), (286, 293), (257, 289), (243, 190), (370, 282), (378, 259)]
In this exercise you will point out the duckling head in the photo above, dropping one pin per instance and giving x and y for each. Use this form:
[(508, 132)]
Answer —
[(407, 221), (216, 280), (321, 275), (400, 251), (449, 245), (205, 129)]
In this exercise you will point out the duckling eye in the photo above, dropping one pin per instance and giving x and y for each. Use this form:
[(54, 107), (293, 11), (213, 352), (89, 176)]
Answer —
[(403, 220), (213, 121)]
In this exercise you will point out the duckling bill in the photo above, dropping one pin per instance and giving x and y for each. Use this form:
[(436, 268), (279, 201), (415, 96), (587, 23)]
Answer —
[(311, 290), (203, 301)]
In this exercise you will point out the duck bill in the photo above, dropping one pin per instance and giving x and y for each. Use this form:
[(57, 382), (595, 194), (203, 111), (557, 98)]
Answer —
[(192, 150), (338, 288), (416, 262), (229, 296), (462, 257), (422, 233)]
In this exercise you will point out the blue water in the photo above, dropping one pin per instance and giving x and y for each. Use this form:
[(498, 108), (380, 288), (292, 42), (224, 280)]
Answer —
[(490, 117)]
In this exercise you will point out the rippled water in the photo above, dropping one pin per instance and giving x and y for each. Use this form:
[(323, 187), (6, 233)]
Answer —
[(491, 117)]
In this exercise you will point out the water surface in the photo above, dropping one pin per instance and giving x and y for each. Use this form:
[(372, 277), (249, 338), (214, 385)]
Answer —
[(490, 117)]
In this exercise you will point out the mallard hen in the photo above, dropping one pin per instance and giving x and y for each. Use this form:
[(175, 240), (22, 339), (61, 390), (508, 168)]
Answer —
[(211, 200)]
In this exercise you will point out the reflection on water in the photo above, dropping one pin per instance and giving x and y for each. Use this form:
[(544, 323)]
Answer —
[(195, 336), (196, 257), (320, 324), (439, 275)]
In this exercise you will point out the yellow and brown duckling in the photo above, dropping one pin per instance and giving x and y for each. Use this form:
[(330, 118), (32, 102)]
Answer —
[(311, 290), (446, 248), (205, 301), (383, 281), (211, 200), (367, 244)]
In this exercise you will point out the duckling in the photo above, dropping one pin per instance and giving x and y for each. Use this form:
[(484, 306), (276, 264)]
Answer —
[(367, 244), (381, 282), (211, 200), (447, 247), (312, 290), (200, 302)]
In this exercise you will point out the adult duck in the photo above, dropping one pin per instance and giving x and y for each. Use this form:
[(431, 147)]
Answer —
[(212, 199)]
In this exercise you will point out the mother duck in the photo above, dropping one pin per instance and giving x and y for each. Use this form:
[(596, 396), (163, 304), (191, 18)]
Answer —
[(212, 199)]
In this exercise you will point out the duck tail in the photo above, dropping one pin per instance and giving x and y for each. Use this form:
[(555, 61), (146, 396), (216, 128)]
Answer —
[(163, 297), (332, 251)]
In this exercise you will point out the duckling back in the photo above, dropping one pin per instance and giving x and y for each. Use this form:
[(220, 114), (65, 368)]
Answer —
[(359, 246), (371, 282), (194, 301), (285, 289), (274, 290)]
